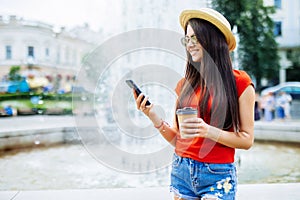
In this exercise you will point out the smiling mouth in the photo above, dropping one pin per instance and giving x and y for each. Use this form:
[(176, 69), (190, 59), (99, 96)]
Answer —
[(193, 52)]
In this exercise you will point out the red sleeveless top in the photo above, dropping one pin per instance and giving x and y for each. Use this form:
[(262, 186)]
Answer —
[(204, 149)]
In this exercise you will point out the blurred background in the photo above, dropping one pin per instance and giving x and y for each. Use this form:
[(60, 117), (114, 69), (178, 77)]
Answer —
[(43, 45)]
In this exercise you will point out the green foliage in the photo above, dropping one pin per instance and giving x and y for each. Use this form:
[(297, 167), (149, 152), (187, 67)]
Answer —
[(258, 50), (28, 95), (231, 9), (46, 106), (14, 73), (293, 73), (294, 57)]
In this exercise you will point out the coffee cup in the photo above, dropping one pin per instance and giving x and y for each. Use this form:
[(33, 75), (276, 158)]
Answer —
[(185, 113)]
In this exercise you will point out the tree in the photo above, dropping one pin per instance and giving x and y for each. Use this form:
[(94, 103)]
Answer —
[(258, 50), (14, 73)]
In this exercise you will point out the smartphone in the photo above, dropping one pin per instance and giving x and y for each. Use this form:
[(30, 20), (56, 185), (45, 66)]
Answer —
[(137, 90)]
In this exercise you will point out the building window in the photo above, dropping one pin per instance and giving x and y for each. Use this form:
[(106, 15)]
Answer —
[(58, 56), (74, 57), (8, 54), (67, 55), (47, 52), (277, 29), (30, 51), (277, 4)]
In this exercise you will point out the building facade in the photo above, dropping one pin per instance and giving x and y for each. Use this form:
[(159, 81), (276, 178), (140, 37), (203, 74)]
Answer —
[(36, 45), (286, 30)]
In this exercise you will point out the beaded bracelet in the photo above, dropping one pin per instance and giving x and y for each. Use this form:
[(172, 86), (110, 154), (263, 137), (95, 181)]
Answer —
[(159, 126), (162, 126)]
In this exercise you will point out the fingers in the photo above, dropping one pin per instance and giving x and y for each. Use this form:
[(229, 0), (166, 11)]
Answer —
[(134, 94), (138, 100), (191, 130), (193, 120), (141, 101), (144, 101), (193, 126), (192, 123)]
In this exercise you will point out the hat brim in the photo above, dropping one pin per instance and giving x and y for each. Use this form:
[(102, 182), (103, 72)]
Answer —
[(214, 18)]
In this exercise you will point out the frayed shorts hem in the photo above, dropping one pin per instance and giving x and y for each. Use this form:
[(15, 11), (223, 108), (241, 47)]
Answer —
[(177, 194)]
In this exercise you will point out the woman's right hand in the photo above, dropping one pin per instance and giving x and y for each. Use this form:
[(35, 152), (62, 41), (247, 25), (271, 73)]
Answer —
[(141, 104), (148, 110)]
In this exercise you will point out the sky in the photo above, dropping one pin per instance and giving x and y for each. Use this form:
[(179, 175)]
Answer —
[(97, 13), (59, 13)]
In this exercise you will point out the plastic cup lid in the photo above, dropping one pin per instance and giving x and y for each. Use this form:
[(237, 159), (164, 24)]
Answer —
[(186, 111)]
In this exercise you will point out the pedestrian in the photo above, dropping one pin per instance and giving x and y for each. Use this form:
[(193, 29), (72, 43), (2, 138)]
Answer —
[(8, 110), (283, 101), (269, 105), (203, 164), (257, 107), (287, 104), (280, 101)]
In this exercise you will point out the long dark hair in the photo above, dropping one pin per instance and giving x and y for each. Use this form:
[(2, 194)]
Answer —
[(218, 101)]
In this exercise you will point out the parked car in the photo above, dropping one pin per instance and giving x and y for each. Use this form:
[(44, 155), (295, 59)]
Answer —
[(292, 88)]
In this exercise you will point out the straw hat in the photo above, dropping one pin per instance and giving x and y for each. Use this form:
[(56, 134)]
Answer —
[(213, 17)]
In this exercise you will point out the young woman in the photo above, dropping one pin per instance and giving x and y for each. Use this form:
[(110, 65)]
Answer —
[(203, 165)]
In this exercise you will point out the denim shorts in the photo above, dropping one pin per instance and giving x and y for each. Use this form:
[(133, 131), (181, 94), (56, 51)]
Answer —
[(191, 179)]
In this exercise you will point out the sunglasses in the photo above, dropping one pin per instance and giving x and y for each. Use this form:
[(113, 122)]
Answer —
[(185, 40)]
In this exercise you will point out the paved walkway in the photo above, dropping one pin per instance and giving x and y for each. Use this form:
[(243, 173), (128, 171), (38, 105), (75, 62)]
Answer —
[(245, 192)]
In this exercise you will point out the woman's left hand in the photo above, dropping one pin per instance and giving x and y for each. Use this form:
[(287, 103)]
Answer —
[(195, 127)]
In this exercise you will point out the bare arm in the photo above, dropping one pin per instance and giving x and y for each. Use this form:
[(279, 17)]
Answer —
[(166, 131), (243, 139), (169, 133)]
